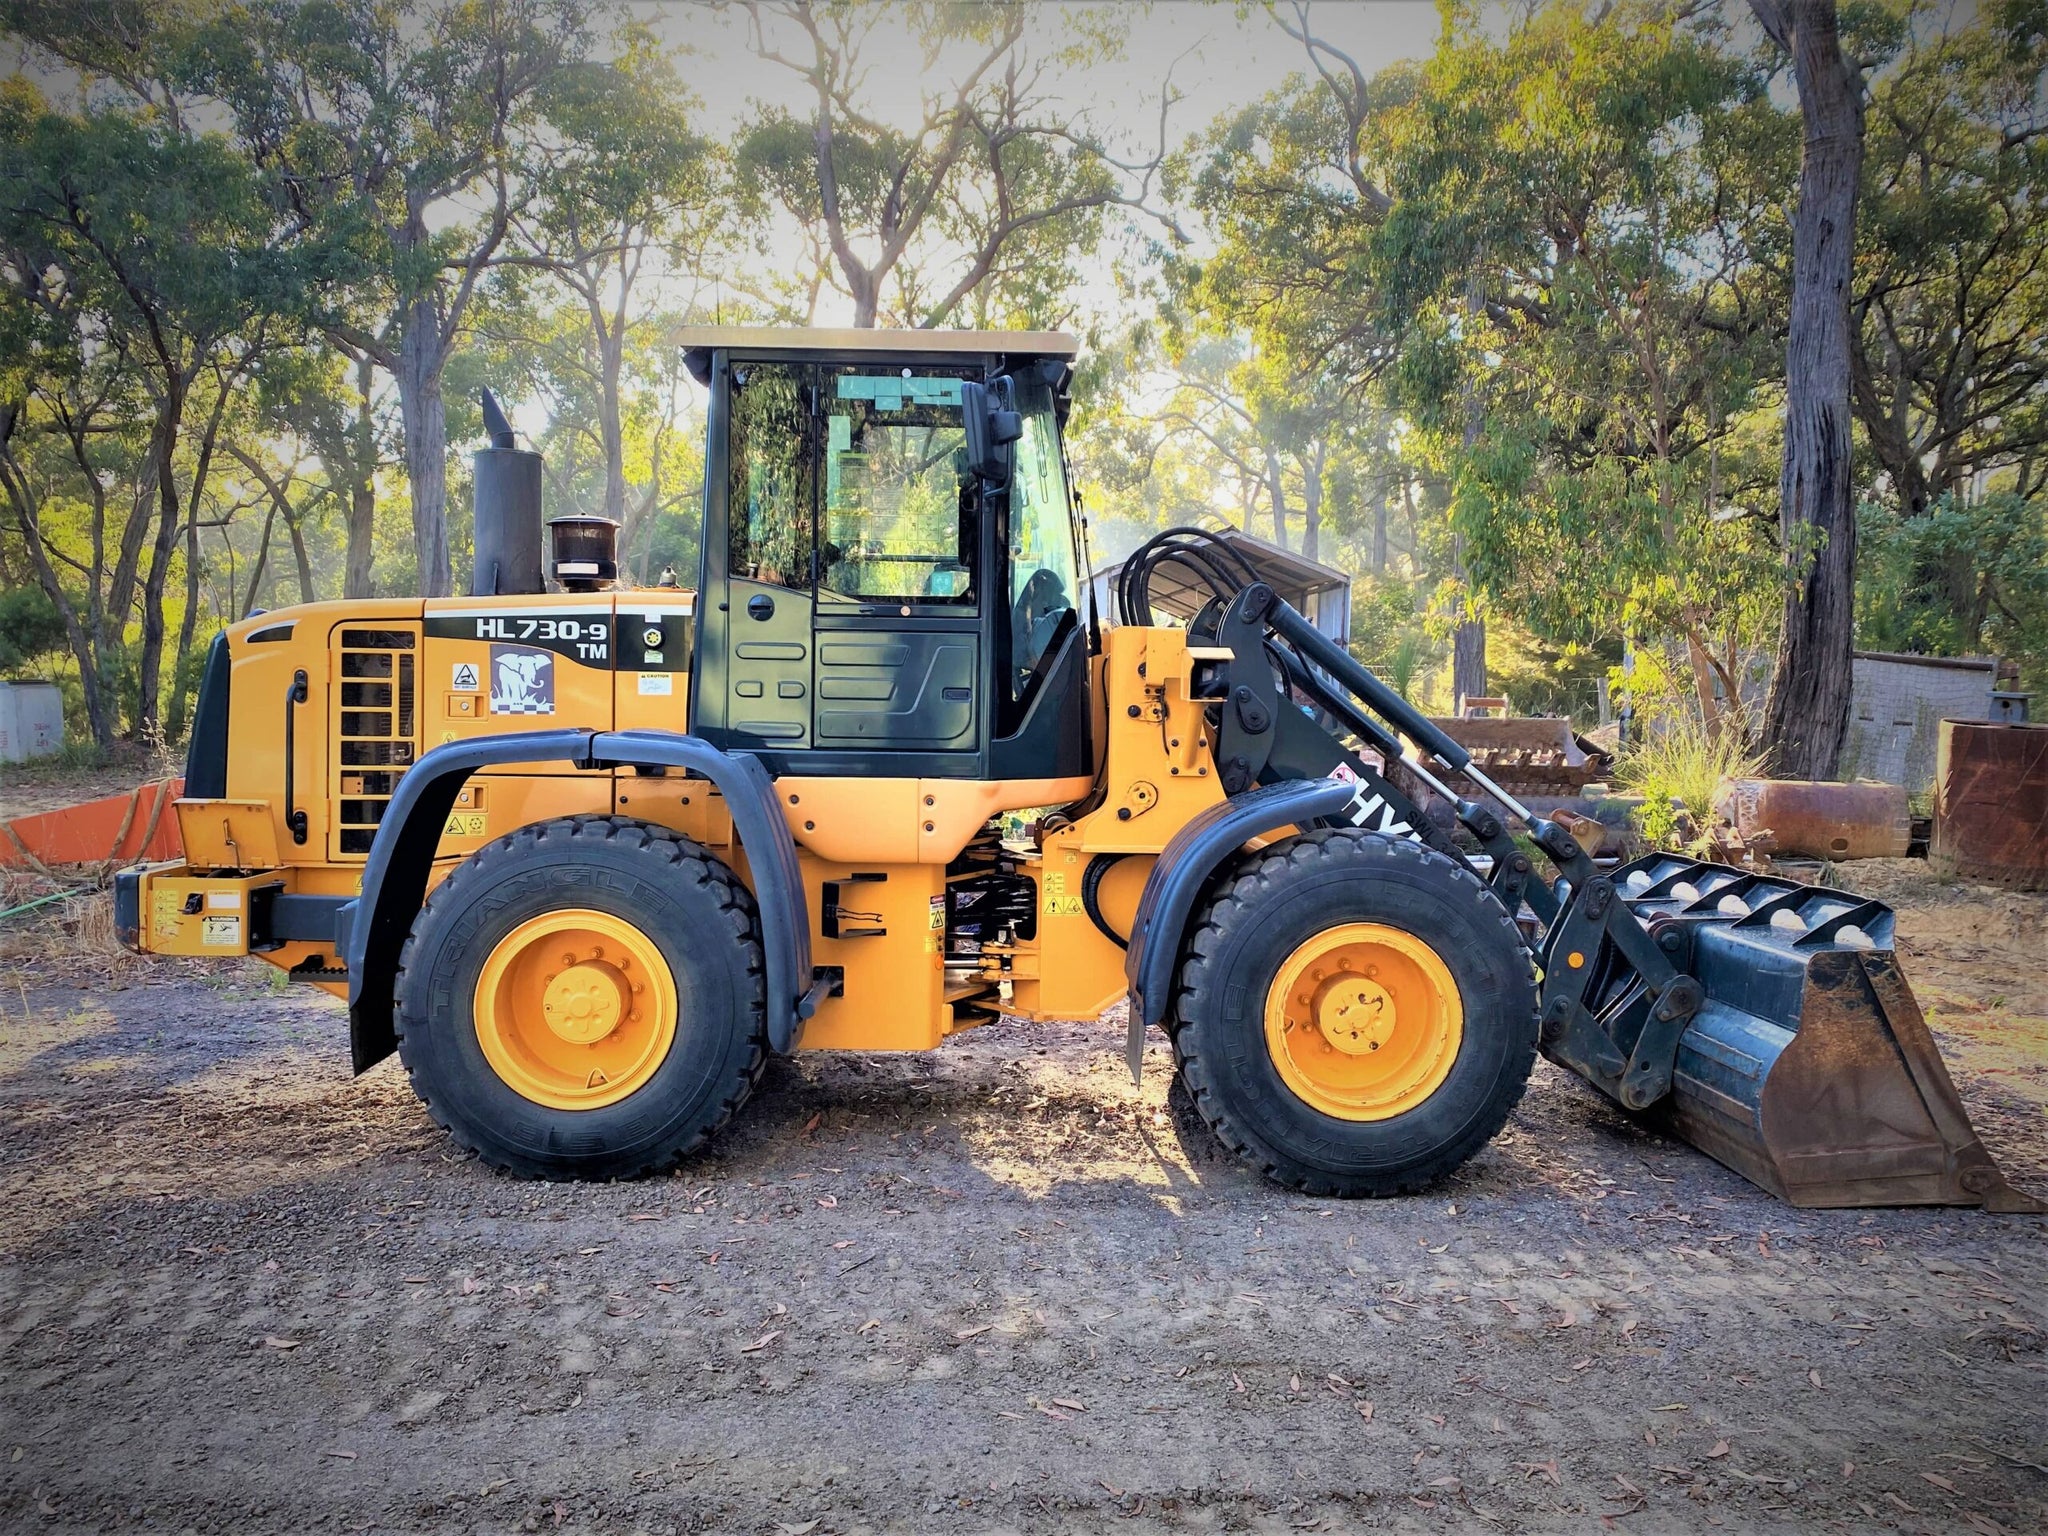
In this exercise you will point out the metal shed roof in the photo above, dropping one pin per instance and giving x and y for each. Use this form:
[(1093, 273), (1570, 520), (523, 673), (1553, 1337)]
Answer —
[(1321, 592)]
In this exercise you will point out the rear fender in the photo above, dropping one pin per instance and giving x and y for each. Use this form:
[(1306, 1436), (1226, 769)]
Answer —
[(402, 856)]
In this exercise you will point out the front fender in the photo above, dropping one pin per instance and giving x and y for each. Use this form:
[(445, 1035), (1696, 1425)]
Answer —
[(1190, 857)]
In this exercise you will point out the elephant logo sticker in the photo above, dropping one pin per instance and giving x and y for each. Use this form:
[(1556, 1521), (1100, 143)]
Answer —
[(522, 681)]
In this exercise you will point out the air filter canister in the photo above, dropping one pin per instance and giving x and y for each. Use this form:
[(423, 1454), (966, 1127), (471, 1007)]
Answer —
[(585, 552)]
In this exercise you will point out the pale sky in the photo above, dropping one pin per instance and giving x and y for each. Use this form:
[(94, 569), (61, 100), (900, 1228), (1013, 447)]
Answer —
[(1217, 59)]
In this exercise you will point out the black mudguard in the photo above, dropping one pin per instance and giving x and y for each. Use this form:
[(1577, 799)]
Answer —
[(402, 855), (1184, 868)]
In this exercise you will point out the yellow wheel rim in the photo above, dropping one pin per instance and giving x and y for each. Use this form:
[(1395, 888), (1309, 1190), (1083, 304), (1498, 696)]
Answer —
[(575, 1009), (1364, 1021)]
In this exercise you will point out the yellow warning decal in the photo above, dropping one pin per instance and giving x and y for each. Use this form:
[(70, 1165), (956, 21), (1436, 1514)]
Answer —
[(465, 824), (1062, 906)]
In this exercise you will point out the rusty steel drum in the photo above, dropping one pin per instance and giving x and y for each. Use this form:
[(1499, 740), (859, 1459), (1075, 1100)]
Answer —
[(1991, 804), (1865, 820)]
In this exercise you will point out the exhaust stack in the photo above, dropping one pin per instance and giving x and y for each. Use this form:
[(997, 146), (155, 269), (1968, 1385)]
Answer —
[(507, 481)]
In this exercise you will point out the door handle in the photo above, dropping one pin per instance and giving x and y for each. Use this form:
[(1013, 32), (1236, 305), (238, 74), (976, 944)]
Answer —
[(760, 606)]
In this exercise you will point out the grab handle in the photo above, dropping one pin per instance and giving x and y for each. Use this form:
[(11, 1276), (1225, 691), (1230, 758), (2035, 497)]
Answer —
[(293, 698)]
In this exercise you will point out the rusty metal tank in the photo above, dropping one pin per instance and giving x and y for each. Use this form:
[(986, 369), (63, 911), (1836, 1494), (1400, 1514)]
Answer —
[(1865, 820), (1991, 804)]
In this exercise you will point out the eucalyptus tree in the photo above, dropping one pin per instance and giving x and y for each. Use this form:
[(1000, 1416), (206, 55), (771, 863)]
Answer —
[(397, 132), (1949, 306), (980, 204), (1583, 319), (1806, 716), (1295, 188), (141, 266), (621, 181)]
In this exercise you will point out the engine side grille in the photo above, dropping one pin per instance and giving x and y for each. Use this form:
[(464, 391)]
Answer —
[(375, 708)]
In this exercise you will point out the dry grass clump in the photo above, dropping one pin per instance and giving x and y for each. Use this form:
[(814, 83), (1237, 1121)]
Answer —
[(71, 938)]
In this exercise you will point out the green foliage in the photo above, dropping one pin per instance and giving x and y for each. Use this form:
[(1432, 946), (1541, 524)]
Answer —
[(1541, 677), (30, 628), (1993, 553), (1949, 282), (1390, 633), (1676, 768), (1581, 245), (1498, 330)]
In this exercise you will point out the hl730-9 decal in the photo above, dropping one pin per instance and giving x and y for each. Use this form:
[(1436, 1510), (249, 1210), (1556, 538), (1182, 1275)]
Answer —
[(582, 637)]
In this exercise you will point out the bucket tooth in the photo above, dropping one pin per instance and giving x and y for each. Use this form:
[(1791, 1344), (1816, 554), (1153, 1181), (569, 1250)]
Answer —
[(1810, 1069)]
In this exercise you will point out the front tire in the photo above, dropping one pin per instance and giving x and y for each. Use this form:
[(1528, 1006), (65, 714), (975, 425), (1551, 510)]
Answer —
[(1356, 1013), (584, 999)]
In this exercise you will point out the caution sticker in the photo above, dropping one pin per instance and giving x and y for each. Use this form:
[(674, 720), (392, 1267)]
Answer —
[(221, 932), (937, 921), (465, 824), (1063, 906), (656, 685), (467, 678)]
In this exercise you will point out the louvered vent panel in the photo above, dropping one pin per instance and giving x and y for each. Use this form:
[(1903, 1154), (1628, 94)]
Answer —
[(376, 735)]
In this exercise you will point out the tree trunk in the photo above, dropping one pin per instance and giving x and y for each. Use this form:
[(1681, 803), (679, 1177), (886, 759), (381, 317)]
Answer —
[(149, 680), (300, 558), (1379, 534), (423, 414), (1712, 710), (611, 361), (1468, 641), (248, 605), (76, 632), (1468, 662), (1807, 714), (362, 493), (1312, 504), (1277, 489), (189, 623)]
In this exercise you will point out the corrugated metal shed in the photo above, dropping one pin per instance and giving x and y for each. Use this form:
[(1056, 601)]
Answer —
[(1897, 703), (1322, 593)]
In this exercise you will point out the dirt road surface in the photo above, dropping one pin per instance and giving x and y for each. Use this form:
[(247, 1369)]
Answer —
[(989, 1290)]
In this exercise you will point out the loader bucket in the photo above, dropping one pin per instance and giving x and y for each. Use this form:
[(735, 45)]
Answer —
[(1809, 1069)]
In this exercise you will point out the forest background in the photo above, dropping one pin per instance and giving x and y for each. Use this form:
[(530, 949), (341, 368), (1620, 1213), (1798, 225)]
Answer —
[(1488, 306)]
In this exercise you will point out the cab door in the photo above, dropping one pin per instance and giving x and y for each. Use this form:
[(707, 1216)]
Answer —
[(768, 651), (898, 617)]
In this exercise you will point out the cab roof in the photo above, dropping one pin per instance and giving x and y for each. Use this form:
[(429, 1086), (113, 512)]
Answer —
[(704, 339)]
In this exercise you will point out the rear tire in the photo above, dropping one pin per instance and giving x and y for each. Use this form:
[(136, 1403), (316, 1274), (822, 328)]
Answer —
[(677, 1002), (1470, 1045)]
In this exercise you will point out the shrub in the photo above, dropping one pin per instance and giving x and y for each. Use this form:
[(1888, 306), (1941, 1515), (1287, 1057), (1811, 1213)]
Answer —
[(1677, 768)]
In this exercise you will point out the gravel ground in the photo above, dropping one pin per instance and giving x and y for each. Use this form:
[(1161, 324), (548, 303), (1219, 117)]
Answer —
[(993, 1289)]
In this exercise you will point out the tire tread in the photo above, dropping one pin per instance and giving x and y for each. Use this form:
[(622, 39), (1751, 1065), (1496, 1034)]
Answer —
[(1235, 901), (691, 860)]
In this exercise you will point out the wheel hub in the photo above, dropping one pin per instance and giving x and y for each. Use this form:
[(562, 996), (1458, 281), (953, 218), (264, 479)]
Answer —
[(585, 1003), (1364, 1021), (1355, 1014), (576, 1008)]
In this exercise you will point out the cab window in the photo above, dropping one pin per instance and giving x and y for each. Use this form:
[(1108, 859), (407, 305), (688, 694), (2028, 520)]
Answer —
[(769, 480), (899, 510), (1043, 564)]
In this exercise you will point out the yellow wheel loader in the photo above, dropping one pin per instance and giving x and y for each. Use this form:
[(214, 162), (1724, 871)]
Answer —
[(586, 854)]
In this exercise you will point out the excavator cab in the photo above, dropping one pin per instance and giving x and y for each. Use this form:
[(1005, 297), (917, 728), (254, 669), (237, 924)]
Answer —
[(892, 583)]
